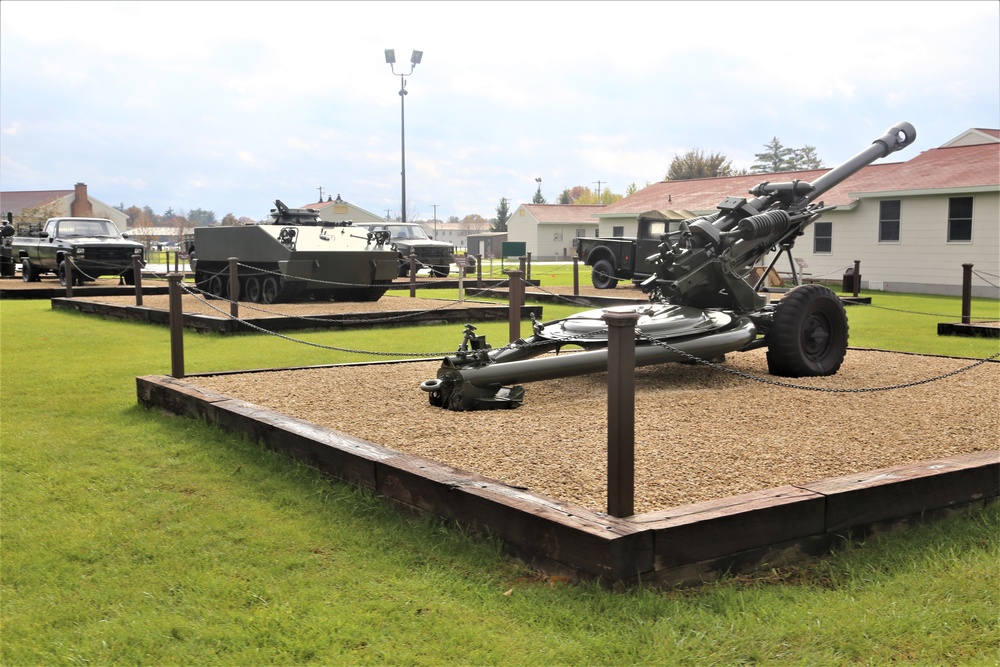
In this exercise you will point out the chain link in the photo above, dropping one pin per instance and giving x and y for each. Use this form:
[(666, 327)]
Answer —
[(911, 312), (788, 385)]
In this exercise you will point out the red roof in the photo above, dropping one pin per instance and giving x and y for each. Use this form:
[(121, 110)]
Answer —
[(937, 168), (16, 201)]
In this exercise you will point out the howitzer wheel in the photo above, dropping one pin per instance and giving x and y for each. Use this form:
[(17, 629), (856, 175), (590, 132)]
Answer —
[(602, 275), (808, 334)]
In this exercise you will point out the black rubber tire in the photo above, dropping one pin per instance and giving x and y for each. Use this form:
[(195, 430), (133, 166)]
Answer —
[(129, 277), (269, 289), (252, 290), (215, 286), (441, 271), (602, 275), (61, 271), (28, 273), (808, 334)]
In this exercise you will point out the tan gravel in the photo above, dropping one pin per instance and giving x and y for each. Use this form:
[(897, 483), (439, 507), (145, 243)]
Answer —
[(701, 433)]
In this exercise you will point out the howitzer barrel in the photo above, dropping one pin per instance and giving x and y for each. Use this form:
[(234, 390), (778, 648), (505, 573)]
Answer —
[(476, 384), (896, 138)]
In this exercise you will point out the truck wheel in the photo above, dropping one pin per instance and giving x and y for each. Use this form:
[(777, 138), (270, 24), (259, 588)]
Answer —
[(602, 275), (808, 334), (62, 271), (129, 277), (441, 271), (28, 273)]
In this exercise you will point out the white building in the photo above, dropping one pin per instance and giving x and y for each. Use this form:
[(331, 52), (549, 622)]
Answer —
[(548, 230)]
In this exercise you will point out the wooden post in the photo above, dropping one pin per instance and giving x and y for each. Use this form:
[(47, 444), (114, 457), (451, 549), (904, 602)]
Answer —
[(576, 276), (234, 288), (69, 276), (176, 326), (527, 276), (857, 276), (137, 275), (621, 412), (177, 260), (967, 293), (413, 275), (461, 279), (516, 299), (479, 271)]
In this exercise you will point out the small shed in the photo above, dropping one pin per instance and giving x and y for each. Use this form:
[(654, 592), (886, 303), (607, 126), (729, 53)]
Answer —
[(487, 244)]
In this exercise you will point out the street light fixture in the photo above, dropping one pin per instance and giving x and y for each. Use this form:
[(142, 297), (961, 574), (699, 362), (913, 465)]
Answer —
[(390, 59)]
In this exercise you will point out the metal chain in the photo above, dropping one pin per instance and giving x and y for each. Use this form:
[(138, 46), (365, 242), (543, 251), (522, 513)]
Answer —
[(788, 385), (306, 342), (911, 312)]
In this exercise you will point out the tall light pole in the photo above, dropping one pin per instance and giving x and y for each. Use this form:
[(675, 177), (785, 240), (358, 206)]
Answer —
[(390, 58)]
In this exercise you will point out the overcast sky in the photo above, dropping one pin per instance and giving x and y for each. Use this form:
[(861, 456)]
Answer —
[(228, 106)]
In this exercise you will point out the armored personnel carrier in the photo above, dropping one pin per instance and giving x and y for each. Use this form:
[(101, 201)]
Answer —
[(294, 256)]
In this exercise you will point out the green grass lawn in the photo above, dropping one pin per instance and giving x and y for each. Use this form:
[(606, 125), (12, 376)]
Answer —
[(132, 537)]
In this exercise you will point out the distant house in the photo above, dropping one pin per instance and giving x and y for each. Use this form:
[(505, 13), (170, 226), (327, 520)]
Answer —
[(338, 210), (455, 233), (76, 203), (912, 224), (548, 230)]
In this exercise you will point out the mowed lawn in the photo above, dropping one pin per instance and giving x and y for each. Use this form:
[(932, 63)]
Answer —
[(133, 537)]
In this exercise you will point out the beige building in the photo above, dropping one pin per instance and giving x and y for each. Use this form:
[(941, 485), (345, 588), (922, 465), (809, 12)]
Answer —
[(338, 210), (75, 203), (548, 230)]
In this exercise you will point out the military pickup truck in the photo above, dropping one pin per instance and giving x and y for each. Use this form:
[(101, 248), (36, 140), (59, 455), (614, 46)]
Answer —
[(626, 257), (410, 237), (95, 246)]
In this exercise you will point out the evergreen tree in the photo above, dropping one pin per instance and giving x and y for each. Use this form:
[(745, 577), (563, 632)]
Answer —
[(503, 215), (538, 198)]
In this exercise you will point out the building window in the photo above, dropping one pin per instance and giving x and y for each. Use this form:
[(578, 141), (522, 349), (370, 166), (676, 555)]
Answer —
[(823, 237), (888, 220), (959, 219), (617, 231), (581, 232)]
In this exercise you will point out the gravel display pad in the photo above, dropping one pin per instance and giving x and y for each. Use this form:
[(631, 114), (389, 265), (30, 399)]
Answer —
[(701, 433)]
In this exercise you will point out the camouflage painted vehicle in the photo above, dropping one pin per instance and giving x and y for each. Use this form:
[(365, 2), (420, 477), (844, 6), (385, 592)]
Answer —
[(294, 257)]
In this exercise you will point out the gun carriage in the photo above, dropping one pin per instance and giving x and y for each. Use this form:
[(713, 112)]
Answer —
[(701, 303)]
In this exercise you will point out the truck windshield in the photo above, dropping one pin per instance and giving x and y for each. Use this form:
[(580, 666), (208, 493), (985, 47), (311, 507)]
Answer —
[(91, 228), (406, 231)]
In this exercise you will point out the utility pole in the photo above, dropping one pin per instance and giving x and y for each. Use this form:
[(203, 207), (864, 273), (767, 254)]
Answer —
[(320, 193), (599, 190), (435, 221)]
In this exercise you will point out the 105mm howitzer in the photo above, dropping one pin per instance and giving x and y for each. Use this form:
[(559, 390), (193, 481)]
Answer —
[(701, 305)]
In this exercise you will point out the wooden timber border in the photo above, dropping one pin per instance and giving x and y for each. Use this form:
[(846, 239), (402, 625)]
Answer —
[(676, 546), (226, 325)]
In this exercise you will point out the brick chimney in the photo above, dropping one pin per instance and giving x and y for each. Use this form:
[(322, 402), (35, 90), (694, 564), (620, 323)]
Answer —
[(81, 206)]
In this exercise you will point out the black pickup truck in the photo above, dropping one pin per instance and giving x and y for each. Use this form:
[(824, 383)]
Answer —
[(626, 257), (95, 246)]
